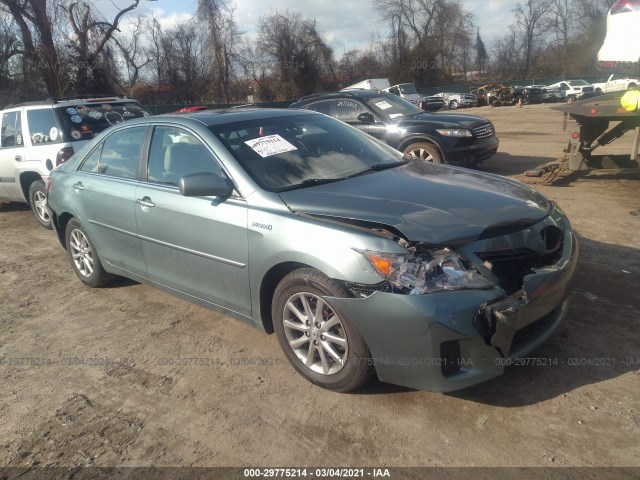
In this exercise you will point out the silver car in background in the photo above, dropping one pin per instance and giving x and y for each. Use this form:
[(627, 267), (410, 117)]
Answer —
[(361, 260)]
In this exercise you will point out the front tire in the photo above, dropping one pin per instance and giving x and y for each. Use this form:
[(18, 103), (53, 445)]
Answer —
[(453, 104), (321, 345), (84, 257), (38, 203), (424, 151)]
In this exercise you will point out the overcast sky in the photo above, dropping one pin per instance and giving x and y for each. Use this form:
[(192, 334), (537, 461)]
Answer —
[(347, 24)]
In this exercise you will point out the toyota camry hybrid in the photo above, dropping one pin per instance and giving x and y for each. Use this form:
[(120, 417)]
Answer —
[(362, 260)]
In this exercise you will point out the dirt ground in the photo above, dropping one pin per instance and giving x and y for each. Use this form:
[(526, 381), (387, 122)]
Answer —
[(61, 405)]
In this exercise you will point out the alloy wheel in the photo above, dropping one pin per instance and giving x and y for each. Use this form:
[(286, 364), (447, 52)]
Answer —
[(422, 154), (81, 253), (315, 333), (40, 204)]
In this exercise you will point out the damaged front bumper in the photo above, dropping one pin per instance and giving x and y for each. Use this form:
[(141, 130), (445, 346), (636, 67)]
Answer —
[(446, 341)]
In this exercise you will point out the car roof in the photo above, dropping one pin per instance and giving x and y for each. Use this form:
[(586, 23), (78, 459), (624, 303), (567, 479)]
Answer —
[(347, 92), (230, 115), (62, 102)]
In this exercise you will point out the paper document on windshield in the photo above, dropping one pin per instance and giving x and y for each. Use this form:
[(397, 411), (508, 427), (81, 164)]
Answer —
[(270, 145), (383, 105), (395, 115)]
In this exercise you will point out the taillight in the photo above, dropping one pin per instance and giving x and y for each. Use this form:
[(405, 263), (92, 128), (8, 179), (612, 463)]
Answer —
[(625, 6), (64, 155)]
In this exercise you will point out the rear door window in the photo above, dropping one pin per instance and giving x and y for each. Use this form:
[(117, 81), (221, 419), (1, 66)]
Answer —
[(118, 155)]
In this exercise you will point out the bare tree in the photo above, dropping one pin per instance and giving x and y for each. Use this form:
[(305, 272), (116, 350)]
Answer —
[(429, 40), (564, 13), (223, 38), (33, 19), (505, 55), (89, 34), (591, 15), (132, 51), (185, 70), (358, 64), (531, 25), (153, 48), (9, 45), (299, 54)]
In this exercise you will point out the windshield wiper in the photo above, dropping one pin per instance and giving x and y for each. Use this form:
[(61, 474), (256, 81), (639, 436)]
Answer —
[(308, 182), (320, 181), (379, 167)]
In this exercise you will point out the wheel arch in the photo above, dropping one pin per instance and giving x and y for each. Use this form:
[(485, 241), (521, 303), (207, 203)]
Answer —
[(420, 138), (270, 281), (26, 179), (61, 221)]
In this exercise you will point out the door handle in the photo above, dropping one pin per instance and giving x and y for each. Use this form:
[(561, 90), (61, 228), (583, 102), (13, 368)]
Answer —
[(145, 202), (18, 158), (79, 186)]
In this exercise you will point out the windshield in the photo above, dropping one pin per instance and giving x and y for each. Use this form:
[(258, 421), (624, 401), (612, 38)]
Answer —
[(408, 89), (85, 121), (291, 152), (577, 83), (391, 107)]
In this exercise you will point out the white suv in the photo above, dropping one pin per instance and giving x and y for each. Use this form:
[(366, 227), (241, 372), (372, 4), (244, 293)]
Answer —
[(36, 137)]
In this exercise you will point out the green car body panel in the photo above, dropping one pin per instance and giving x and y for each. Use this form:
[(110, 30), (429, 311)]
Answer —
[(229, 253)]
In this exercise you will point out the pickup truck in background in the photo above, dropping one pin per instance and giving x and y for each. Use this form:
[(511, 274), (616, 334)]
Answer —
[(406, 91), (616, 84), (458, 100), (572, 90)]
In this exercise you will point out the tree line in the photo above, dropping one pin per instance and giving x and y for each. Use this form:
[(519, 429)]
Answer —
[(62, 48)]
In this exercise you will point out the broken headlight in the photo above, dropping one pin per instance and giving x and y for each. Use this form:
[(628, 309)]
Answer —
[(426, 271)]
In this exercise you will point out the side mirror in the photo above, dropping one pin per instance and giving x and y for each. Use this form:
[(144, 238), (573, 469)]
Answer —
[(205, 185), (366, 117)]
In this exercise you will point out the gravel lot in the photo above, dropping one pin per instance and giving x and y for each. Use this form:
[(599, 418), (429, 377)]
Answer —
[(243, 405)]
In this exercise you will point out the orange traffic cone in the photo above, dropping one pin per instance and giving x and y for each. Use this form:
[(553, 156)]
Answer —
[(520, 103)]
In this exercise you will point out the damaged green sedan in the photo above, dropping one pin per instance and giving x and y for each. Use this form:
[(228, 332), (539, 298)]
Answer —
[(361, 260)]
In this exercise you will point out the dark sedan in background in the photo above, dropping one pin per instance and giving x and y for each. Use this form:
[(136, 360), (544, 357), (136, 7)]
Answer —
[(361, 259), (464, 140)]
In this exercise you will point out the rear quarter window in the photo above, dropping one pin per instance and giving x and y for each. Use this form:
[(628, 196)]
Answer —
[(43, 127)]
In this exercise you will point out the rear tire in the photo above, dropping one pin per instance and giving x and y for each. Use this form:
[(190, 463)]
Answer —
[(38, 203), (322, 345), (84, 257), (424, 151), (453, 104), (632, 86)]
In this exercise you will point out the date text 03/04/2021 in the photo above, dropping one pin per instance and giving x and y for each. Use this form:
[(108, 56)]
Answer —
[(316, 472)]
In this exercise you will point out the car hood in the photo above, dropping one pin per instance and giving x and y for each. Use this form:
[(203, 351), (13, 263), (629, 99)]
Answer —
[(442, 121), (424, 202)]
